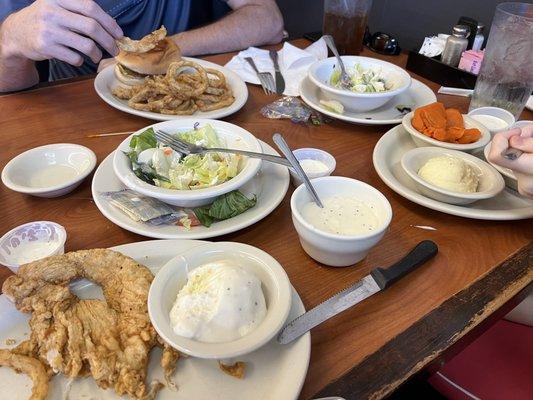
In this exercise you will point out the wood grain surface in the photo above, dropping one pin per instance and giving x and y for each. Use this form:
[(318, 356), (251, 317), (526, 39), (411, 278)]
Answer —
[(469, 250)]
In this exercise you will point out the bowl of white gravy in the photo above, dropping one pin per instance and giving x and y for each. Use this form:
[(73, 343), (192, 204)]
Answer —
[(354, 218)]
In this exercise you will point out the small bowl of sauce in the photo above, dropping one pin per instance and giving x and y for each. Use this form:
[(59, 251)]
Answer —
[(316, 163), (495, 119), (354, 218), (31, 242)]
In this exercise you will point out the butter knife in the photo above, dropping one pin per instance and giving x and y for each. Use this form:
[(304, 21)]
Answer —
[(280, 82), (378, 279)]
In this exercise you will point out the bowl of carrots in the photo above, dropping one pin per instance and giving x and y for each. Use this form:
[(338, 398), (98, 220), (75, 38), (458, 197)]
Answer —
[(435, 125)]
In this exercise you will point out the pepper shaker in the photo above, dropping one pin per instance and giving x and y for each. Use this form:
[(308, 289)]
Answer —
[(455, 45)]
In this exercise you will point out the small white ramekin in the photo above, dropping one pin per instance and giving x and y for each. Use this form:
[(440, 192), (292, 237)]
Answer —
[(309, 153), (15, 244)]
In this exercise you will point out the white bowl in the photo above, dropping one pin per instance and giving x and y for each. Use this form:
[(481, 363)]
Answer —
[(495, 119), (30, 242), (422, 140), (308, 153), (234, 136), (508, 175), (320, 73), (49, 171), (171, 278), (490, 181), (329, 248), (522, 124)]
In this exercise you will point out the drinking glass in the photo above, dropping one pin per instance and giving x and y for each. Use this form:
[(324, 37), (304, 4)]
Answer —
[(506, 76), (345, 20)]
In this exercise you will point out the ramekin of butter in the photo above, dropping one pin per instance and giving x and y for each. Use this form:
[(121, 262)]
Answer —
[(354, 219), (31, 242), (315, 163), (495, 119), (220, 300)]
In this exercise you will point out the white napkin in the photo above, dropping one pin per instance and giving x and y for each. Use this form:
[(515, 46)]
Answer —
[(293, 63)]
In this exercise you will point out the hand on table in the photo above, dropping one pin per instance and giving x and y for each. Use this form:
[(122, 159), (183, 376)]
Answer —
[(52, 28), (521, 139)]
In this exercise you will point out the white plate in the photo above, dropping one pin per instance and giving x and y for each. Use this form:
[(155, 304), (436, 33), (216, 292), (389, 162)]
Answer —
[(416, 96), (105, 81), (508, 205), (529, 104), (274, 371), (270, 185)]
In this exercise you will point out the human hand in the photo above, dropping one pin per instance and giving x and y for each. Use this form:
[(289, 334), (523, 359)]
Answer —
[(521, 139), (53, 28)]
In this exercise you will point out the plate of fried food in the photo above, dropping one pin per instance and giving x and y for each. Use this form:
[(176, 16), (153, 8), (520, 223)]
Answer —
[(77, 326), (152, 80)]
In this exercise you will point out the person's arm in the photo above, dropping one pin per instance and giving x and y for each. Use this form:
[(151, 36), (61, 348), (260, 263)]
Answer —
[(251, 23), (52, 29)]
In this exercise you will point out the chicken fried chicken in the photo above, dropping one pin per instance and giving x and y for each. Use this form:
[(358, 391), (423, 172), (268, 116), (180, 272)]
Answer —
[(29, 366), (109, 340)]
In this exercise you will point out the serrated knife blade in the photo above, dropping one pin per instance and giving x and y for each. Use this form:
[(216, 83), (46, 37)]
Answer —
[(379, 279)]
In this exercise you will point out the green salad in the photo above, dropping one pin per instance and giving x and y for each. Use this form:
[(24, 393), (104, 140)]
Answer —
[(362, 80), (161, 166)]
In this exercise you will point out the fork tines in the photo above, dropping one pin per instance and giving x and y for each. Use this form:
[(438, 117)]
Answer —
[(172, 142), (268, 85)]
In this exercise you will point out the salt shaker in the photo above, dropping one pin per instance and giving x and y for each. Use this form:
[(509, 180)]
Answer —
[(455, 45), (479, 39)]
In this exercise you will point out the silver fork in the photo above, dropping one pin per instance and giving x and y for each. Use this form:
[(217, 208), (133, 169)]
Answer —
[(266, 78), (186, 148)]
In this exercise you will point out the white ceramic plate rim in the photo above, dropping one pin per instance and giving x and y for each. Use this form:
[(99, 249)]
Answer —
[(383, 170), (129, 179), (26, 189), (486, 194), (272, 324), (415, 85), (389, 93), (251, 216), (165, 249), (482, 141), (240, 91)]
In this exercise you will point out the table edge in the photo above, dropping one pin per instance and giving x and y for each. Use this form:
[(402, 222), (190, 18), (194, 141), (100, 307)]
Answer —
[(383, 371)]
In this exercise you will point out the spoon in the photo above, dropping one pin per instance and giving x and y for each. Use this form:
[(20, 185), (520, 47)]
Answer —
[(287, 152), (345, 79)]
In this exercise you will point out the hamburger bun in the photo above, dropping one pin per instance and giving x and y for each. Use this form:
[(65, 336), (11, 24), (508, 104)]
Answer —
[(132, 67)]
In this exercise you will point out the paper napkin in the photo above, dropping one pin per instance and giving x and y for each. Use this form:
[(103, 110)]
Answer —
[(293, 63)]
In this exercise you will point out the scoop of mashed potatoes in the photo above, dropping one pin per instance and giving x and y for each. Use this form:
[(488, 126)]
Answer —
[(450, 173)]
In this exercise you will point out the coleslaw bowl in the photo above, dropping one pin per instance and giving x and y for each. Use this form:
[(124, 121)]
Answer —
[(320, 74)]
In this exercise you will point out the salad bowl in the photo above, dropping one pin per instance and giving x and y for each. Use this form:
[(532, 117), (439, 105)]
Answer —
[(228, 135), (396, 79)]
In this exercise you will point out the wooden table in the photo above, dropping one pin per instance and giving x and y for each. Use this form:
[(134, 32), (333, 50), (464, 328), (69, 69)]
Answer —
[(482, 267)]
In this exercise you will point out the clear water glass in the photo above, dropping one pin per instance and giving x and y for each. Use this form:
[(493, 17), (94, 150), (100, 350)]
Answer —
[(506, 76)]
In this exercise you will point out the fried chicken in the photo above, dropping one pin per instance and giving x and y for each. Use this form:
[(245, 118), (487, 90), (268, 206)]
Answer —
[(30, 366), (109, 340)]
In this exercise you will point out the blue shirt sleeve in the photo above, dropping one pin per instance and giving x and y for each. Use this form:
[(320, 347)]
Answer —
[(8, 7)]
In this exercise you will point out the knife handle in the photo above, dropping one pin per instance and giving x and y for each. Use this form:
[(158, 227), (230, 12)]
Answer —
[(422, 252), (274, 58)]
